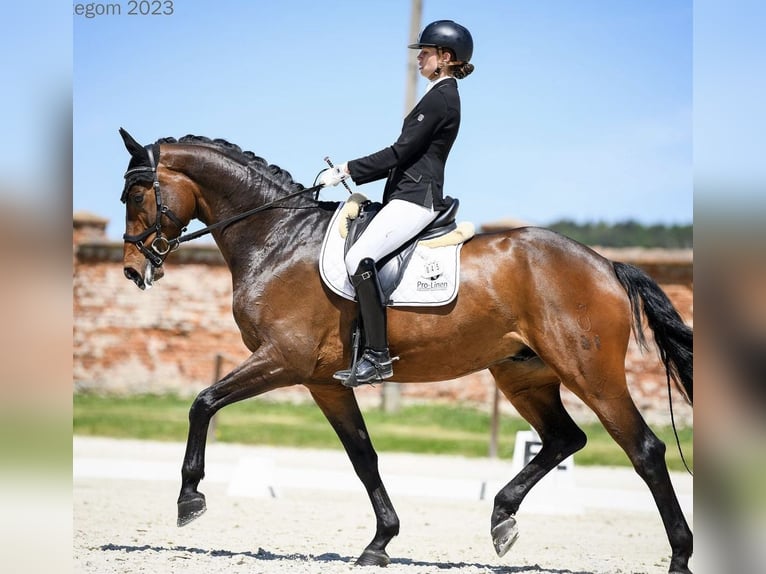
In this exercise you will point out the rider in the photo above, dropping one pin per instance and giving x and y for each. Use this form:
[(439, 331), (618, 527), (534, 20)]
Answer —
[(412, 197)]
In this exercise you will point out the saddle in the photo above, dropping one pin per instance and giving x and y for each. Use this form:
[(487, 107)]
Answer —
[(391, 267), (422, 273)]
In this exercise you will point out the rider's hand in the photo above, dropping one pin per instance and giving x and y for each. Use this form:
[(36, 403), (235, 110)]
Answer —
[(333, 176)]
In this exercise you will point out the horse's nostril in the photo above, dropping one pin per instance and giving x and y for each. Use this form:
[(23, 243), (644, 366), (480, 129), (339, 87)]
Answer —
[(134, 276)]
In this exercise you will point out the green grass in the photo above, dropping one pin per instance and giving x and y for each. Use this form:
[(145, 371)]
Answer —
[(435, 429)]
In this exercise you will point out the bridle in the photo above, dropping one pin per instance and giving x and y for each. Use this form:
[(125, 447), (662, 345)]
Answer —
[(161, 246)]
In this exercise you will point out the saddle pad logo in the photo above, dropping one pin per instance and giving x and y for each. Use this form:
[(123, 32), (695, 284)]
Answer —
[(429, 279), (432, 270)]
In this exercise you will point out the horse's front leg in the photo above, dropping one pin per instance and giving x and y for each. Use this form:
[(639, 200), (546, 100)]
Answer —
[(339, 405), (257, 375)]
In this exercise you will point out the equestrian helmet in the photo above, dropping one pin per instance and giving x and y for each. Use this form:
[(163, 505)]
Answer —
[(447, 34)]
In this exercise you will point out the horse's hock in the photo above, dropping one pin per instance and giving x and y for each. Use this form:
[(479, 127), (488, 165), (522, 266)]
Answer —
[(167, 339)]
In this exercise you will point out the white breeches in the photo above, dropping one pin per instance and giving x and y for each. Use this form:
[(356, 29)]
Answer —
[(397, 221)]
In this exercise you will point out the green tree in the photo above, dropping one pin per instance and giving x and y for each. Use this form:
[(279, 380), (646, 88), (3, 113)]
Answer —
[(628, 233)]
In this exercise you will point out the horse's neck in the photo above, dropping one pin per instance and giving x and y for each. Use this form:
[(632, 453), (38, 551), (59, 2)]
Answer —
[(275, 242), (225, 187), (289, 231)]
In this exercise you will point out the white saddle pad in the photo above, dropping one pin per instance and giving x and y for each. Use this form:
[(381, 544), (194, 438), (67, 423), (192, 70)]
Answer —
[(430, 279)]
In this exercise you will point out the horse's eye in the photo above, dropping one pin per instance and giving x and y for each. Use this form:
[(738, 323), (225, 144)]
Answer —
[(138, 198)]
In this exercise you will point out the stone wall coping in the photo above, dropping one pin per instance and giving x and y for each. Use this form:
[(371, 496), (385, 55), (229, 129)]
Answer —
[(109, 250)]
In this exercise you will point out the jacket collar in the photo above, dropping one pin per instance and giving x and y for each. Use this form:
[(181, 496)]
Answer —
[(433, 83)]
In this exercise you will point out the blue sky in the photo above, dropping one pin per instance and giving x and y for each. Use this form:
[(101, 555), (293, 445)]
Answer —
[(579, 110)]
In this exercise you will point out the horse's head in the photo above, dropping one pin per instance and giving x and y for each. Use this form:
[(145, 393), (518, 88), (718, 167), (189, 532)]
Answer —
[(159, 204)]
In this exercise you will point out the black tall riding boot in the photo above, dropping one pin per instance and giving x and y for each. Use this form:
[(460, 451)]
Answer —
[(375, 363)]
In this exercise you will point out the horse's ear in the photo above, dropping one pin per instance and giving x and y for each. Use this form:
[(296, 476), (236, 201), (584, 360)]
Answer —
[(135, 148)]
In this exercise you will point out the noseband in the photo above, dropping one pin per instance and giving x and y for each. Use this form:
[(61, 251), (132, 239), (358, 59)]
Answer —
[(160, 246)]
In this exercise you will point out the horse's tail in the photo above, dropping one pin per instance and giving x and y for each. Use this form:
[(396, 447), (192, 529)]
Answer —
[(674, 339)]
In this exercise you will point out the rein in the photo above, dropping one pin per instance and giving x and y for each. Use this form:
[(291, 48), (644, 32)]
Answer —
[(161, 246), (240, 216)]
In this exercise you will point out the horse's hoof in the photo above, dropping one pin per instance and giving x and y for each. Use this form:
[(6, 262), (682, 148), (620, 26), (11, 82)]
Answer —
[(373, 558), (504, 535), (190, 508)]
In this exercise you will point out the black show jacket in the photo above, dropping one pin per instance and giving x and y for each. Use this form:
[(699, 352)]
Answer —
[(415, 164)]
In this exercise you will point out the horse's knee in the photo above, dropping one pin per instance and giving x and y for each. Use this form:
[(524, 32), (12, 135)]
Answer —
[(202, 406)]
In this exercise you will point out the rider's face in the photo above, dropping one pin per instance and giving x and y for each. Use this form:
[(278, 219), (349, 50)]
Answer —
[(428, 60)]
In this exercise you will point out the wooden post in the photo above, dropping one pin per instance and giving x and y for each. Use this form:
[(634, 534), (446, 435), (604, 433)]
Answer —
[(412, 56), (391, 393), (494, 425), (391, 397)]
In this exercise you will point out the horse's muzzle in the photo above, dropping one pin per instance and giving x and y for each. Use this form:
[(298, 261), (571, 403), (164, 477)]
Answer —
[(146, 279), (135, 276)]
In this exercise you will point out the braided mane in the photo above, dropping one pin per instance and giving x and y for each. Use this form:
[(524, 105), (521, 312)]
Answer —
[(246, 158)]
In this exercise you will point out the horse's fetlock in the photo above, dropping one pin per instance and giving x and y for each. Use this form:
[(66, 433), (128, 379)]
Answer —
[(388, 525), (392, 530), (504, 509), (683, 545), (192, 475)]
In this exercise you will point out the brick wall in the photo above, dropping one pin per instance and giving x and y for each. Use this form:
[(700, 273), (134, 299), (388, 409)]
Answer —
[(167, 338)]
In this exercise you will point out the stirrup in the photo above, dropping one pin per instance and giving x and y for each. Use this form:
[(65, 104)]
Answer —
[(372, 367)]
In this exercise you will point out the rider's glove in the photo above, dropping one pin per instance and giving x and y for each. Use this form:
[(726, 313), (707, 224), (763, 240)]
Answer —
[(333, 176)]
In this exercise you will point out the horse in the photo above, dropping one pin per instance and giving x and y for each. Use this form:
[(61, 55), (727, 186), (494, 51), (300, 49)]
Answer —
[(535, 308)]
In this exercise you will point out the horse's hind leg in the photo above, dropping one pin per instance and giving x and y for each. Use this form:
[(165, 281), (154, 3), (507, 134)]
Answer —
[(536, 396), (625, 424), (596, 374), (339, 405), (243, 382)]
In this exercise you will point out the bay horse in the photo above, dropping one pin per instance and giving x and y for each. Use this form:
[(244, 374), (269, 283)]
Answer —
[(537, 309)]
